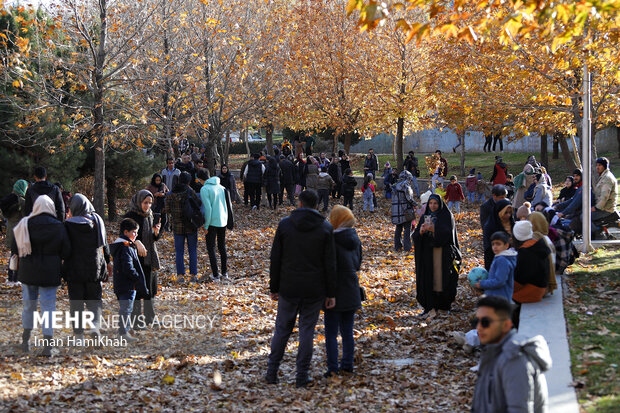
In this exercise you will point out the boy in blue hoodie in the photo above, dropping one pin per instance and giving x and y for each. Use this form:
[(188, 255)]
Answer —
[(501, 275), (128, 274)]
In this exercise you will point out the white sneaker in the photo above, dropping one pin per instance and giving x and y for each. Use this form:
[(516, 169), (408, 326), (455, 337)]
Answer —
[(128, 337)]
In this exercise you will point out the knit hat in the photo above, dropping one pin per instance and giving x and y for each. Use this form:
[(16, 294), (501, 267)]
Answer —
[(387, 165), (523, 231), (341, 216), (524, 211), (472, 171), (603, 161)]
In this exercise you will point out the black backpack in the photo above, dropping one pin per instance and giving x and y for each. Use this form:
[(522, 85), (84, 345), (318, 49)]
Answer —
[(8, 204), (192, 213)]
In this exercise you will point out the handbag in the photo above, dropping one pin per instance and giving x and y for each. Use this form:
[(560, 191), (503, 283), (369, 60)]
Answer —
[(230, 223), (14, 262), (191, 212)]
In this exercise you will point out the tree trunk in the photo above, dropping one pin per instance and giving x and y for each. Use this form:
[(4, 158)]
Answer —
[(566, 154), (556, 147), (462, 137), (245, 138), (400, 132), (269, 138), (544, 151), (347, 142), (226, 149), (97, 111), (335, 143), (112, 195)]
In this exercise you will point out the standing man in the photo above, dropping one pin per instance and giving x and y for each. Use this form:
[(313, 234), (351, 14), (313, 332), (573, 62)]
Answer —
[(300, 282), (287, 180), (253, 180), (213, 197), (411, 165), (309, 139), (371, 163), (498, 192), (170, 174), (42, 187), (498, 138), (511, 374)]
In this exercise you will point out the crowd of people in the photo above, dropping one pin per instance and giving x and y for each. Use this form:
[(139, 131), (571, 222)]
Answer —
[(527, 240)]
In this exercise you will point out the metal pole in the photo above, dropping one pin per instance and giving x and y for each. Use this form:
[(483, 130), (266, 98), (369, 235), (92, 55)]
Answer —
[(586, 163)]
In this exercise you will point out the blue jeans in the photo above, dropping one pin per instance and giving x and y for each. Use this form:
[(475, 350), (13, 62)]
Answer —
[(125, 307), (414, 183), (481, 198), (339, 321), (179, 247), (471, 196), (455, 204), (47, 296)]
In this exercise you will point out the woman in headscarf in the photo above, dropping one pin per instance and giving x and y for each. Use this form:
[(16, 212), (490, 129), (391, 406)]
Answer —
[(532, 270), (437, 258), (159, 190), (522, 182), (540, 226), (403, 207), (15, 211), (501, 220), (148, 234), (86, 268), (272, 181), (312, 173), (348, 296), (227, 180), (41, 241)]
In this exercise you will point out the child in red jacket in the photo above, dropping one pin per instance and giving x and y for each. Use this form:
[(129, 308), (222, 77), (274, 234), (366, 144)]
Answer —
[(454, 195)]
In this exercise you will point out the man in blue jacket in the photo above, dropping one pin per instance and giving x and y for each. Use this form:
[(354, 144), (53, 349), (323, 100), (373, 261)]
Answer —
[(302, 274)]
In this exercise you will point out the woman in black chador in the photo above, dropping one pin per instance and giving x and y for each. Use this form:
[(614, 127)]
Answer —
[(437, 257)]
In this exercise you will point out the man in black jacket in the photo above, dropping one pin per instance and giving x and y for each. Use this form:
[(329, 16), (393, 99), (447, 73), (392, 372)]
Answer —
[(42, 187), (253, 179), (302, 273), (287, 179)]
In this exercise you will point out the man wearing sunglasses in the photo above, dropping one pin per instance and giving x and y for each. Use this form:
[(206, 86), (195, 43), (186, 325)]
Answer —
[(511, 372)]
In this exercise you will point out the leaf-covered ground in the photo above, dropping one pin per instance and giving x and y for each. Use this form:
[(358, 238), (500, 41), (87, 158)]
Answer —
[(402, 362)]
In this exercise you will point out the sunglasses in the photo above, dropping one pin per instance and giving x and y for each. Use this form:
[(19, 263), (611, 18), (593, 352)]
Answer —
[(485, 322)]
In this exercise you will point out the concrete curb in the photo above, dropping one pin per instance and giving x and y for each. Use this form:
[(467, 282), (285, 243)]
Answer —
[(546, 318)]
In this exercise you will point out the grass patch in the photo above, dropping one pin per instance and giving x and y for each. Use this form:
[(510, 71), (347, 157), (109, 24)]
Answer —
[(592, 309), (484, 162)]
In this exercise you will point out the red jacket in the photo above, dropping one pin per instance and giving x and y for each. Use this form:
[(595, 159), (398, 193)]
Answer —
[(454, 192), (499, 174)]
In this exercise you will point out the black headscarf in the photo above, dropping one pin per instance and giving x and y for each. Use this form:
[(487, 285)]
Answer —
[(227, 174), (494, 222), (83, 212), (161, 181), (445, 228)]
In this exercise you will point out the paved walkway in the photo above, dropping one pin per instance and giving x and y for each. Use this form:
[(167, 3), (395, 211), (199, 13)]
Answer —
[(546, 318)]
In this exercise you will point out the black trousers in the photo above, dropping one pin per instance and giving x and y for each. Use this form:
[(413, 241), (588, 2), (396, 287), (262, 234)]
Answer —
[(220, 234), (487, 143), (348, 200), (336, 191), (488, 258), (290, 193), (324, 197), (308, 310), (497, 138), (246, 193), (254, 191), (85, 294), (143, 304)]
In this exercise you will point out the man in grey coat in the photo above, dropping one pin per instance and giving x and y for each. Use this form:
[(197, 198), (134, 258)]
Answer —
[(511, 373)]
